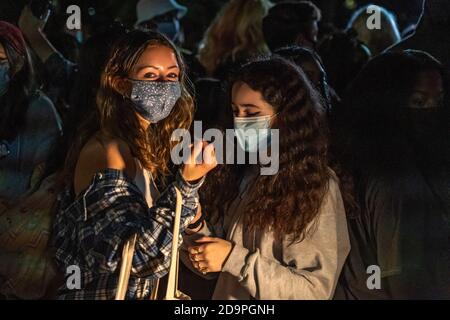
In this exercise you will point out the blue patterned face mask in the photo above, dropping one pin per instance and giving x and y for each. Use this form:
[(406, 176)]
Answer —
[(154, 100), (4, 78)]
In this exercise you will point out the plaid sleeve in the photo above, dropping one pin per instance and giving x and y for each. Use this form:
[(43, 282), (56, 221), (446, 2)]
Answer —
[(104, 234), (153, 249)]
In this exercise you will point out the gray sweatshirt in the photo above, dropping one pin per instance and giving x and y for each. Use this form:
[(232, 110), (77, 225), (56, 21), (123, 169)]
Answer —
[(260, 267)]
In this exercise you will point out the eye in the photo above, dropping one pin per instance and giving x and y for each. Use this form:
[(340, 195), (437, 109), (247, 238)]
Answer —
[(149, 75), (234, 109), (253, 114), (173, 76)]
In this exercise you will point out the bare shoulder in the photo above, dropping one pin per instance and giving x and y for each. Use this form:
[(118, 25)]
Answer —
[(99, 154)]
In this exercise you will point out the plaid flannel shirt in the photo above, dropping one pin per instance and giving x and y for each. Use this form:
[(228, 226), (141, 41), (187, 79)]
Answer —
[(91, 229)]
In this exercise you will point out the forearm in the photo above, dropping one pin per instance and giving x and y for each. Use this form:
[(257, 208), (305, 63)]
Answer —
[(156, 243), (167, 201)]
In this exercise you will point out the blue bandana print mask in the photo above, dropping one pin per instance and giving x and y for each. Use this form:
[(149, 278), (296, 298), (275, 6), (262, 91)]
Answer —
[(154, 100)]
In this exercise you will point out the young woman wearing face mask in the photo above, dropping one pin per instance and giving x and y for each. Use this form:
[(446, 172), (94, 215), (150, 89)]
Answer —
[(393, 145), (280, 236), (29, 123), (110, 193)]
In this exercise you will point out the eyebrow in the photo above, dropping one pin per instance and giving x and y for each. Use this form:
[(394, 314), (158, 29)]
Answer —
[(246, 105), (250, 105), (139, 68)]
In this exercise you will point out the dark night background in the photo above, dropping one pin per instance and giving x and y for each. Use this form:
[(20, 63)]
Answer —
[(201, 12)]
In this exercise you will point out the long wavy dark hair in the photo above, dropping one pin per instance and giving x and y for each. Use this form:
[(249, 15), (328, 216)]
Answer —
[(22, 88), (299, 56), (115, 115), (287, 202)]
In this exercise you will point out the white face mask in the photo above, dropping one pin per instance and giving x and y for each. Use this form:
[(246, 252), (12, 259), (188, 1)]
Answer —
[(253, 133)]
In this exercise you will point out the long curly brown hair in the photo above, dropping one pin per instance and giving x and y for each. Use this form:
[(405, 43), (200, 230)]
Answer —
[(287, 202), (114, 110)]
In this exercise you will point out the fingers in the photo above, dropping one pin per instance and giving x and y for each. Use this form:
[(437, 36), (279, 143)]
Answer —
[(196, 249), (200, 257), (199, 261), (196, 151), (197, 257), (209, 155), (202, 248), (200, 265), (201, 160)]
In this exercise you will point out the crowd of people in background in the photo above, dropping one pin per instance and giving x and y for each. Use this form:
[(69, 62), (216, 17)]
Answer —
[(363, 186)]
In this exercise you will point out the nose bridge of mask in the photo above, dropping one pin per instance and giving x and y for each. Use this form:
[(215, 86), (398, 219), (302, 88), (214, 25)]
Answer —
[(145, 89), (259, 122), (252, 132)]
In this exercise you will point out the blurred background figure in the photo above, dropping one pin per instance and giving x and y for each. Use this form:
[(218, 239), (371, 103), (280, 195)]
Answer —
[(292, 23), (392, 142), (29, 130), (343, 56), (58, 72), (377, 39), (29, 123), (432, 33), (234, 36), (163, 16)]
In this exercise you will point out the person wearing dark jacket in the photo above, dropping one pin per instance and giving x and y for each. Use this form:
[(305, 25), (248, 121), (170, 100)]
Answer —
[(392, 142)]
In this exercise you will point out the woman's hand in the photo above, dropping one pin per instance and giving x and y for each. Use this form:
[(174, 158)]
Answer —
[(194, 170), (210, 255)]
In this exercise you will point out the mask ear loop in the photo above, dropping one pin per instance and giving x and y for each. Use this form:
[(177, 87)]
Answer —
[(274, 116)]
